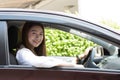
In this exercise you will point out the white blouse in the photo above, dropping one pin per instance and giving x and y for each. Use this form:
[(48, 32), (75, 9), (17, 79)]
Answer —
[(25, 56)]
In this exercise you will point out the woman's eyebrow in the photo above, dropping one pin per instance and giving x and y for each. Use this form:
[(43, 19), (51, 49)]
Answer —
[(36, 30), (33, 30)]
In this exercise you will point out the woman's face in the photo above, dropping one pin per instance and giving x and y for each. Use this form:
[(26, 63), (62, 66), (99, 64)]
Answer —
[(35, 36)]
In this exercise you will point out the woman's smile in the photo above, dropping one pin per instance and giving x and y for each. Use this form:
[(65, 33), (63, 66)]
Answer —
[(36, 42), (35, 36)]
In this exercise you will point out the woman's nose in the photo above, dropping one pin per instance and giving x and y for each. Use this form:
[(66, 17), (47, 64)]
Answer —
[(37, 36)]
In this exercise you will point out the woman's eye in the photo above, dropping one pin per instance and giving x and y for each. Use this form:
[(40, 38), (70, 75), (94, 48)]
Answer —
[(41, 33), (33, 33)]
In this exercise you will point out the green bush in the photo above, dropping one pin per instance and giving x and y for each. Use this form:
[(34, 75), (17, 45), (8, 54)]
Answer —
[(59, 43)]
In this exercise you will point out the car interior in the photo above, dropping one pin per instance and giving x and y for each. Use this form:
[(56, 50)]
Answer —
[(14, 35)]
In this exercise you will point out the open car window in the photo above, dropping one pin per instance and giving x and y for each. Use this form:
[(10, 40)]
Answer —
[(66, 43)]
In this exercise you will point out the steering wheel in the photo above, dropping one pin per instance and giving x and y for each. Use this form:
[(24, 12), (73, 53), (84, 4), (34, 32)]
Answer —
[(89, 60)]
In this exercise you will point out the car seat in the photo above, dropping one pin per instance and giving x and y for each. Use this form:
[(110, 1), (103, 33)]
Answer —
[(13, 40)]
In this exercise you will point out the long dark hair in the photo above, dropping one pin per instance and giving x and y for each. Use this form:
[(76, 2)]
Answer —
[(41, 49)]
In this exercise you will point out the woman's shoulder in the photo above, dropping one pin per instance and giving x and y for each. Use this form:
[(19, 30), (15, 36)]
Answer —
[(23, 48), (24, 51)]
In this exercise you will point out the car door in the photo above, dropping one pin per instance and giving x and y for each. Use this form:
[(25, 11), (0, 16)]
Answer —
[(63, 73)]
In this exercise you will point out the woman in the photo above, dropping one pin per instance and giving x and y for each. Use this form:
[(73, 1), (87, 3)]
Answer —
[(32, 50)]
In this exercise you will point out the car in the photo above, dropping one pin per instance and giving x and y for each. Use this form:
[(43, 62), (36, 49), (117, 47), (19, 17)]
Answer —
[(107, 40)]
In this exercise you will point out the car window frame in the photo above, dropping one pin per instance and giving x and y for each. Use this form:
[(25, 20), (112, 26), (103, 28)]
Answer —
[(27, 17), (4, 56), (25, 67)]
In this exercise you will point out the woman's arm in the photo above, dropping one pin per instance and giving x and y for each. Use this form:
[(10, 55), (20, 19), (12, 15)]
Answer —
[(26, 57)]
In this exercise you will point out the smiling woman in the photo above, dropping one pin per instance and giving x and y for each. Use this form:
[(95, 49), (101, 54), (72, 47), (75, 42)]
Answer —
[(33, 37), (32, 50)]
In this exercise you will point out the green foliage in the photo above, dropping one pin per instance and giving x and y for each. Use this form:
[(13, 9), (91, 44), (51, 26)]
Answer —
[(59, 43)]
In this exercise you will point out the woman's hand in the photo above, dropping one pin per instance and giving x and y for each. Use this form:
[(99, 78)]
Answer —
[(83, 56)]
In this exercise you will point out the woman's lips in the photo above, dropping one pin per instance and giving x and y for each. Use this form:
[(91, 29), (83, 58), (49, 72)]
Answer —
[(36, 42)]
